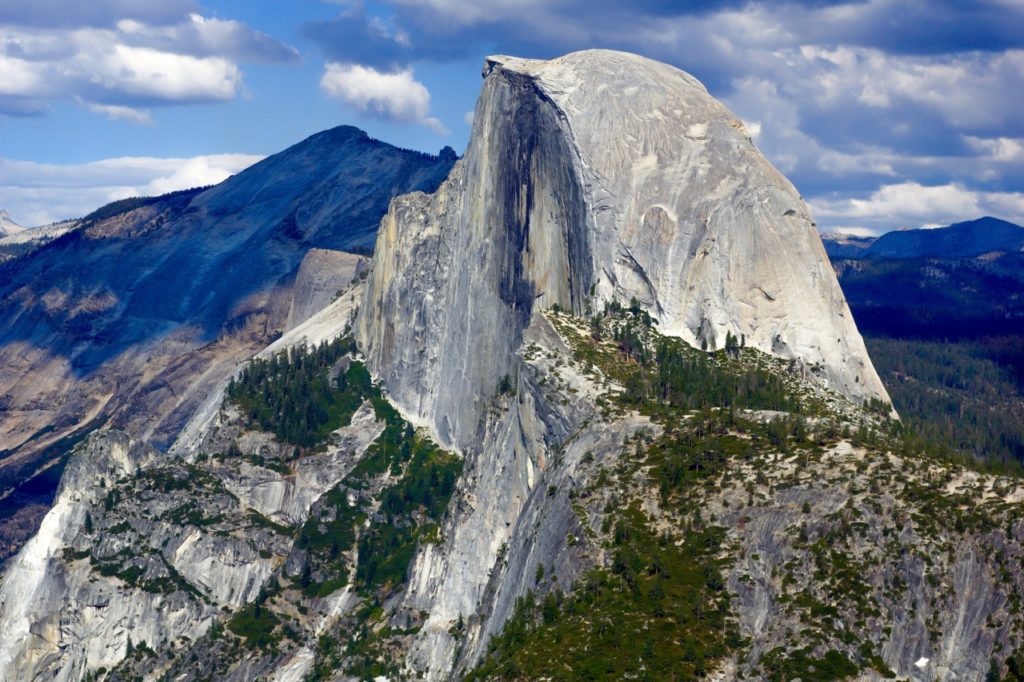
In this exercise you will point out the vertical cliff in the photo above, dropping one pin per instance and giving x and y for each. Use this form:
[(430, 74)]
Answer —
[(589, 495), (592, 177), (588, 179)]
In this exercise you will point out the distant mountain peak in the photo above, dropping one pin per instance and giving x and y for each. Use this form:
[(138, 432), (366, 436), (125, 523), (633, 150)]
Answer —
[(966, 239)]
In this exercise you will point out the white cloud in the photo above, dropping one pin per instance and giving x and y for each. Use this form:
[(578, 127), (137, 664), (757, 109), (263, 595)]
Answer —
[(38, 193), (115, 112), (395, 96), (951, 86), (145, 74), (21, 78), (202, 36), (852, 232), (999, 149), (910, 204), (118, 68), (200, 171)]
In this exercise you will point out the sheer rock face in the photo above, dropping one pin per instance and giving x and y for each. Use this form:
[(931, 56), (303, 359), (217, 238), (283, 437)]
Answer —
[(36, 586), (596, 176), (593, 177), (322, 275)]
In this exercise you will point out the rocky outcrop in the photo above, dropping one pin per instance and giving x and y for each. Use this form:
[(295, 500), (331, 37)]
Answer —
[(124, 559), (594, 177), (321, 278), (134, 315), (591, 178), (38, 583)]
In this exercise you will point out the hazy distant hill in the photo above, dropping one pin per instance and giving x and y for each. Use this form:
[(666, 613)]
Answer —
[(8, 226), (942, 311), (960, 240)]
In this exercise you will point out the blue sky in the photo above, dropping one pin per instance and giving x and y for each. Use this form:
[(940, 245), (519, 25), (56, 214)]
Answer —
[(884, 113)]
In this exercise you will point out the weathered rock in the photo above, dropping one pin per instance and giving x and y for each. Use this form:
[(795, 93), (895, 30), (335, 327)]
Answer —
[(597, 176), (321, 278), (134, 315)]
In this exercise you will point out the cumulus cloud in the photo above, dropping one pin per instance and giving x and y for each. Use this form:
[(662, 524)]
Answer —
[(39, 194), (998, 149), (909, 204), (394, 96), (142, 54), (846, 96)]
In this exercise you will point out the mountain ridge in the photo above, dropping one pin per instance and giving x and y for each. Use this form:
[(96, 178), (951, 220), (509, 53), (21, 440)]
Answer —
[(523, 447), (118, 316), (8, 226), (966, 239)]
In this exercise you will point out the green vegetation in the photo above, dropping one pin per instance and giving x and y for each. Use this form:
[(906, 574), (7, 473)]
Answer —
[(411, 510), (957, 398), (408, 479), (402, 487), (658, 371), (781, 666), (291, 395), (256, 624), (324, 538), (659, 607), (660, 612)]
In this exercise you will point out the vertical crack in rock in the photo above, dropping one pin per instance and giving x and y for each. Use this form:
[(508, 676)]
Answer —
[(597, 162), (457, 274), (594, 177)]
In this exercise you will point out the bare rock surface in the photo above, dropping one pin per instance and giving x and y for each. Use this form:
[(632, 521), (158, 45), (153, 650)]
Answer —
[(322, 276), (130, 317), (597, 176)]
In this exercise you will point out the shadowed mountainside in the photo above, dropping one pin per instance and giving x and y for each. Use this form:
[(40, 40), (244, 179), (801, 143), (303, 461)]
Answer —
[(130, 316)]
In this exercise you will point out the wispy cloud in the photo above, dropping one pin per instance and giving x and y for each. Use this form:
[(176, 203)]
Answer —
[(115, 112), (39, 193)]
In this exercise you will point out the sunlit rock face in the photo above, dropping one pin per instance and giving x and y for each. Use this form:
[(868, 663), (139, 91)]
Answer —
[(321, 278), (597, 176), (594, 177)]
